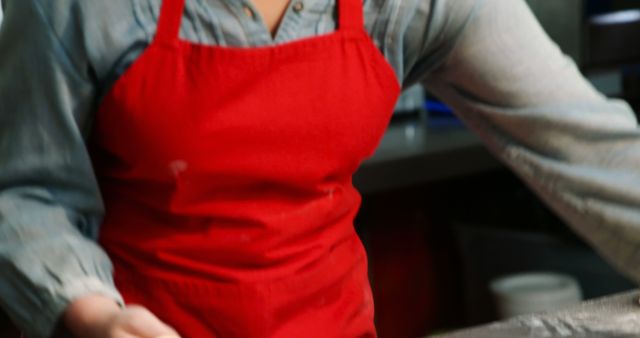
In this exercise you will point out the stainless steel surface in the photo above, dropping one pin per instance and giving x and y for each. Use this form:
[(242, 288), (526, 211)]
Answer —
[(613, 316), (411, 153)]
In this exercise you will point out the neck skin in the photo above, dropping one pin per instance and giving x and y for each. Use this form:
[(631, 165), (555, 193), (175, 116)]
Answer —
[(272, 12)]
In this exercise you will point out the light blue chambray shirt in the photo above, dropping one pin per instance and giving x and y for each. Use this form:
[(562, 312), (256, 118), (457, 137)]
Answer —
[(488, 59)]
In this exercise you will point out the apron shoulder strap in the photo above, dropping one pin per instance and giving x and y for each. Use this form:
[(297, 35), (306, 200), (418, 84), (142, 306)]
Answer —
[(169, 21), (350, 15)]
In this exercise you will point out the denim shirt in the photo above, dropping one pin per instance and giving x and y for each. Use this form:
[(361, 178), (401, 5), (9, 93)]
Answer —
[(488, 59)]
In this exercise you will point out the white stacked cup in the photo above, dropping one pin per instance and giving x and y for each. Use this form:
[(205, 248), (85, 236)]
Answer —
[(534, 292)]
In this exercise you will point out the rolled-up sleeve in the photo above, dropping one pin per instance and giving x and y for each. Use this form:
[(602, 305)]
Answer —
[(531, 106), (50, 206)]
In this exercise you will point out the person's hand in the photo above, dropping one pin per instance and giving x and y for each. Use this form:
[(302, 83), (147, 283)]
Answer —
[(100, 317)]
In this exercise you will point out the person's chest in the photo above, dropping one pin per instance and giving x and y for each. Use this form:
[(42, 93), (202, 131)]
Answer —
[(246, 23), (111, 35)]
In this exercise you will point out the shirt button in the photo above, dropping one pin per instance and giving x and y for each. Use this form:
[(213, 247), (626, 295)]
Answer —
[(298, 7), (248, 11)]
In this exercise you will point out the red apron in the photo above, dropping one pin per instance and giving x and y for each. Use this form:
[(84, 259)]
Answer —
[(226, 174)]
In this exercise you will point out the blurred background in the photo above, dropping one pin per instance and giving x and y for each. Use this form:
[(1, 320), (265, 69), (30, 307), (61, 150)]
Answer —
[(442, 218)]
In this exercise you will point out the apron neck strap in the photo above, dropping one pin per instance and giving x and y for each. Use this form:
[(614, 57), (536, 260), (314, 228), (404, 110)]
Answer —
[(169, 21), (350, 15)]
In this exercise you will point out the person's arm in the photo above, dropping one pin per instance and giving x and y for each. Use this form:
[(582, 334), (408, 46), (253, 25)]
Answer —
[(530, 105), (50, 207), (52, 272)]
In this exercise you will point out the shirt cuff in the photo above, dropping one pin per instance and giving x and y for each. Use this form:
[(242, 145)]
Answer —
[(45, 322)]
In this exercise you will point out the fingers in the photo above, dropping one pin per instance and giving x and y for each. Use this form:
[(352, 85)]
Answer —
[(146, 325)]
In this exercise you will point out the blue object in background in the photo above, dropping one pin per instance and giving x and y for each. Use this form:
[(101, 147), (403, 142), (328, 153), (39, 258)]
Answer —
[(440, 115)]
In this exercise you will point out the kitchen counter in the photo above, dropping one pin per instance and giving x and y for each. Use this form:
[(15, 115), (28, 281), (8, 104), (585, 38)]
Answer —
[(413, 153), (612, 316)]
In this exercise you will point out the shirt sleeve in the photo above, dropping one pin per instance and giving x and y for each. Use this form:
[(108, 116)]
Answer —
[(531, 106), (50, 206)]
